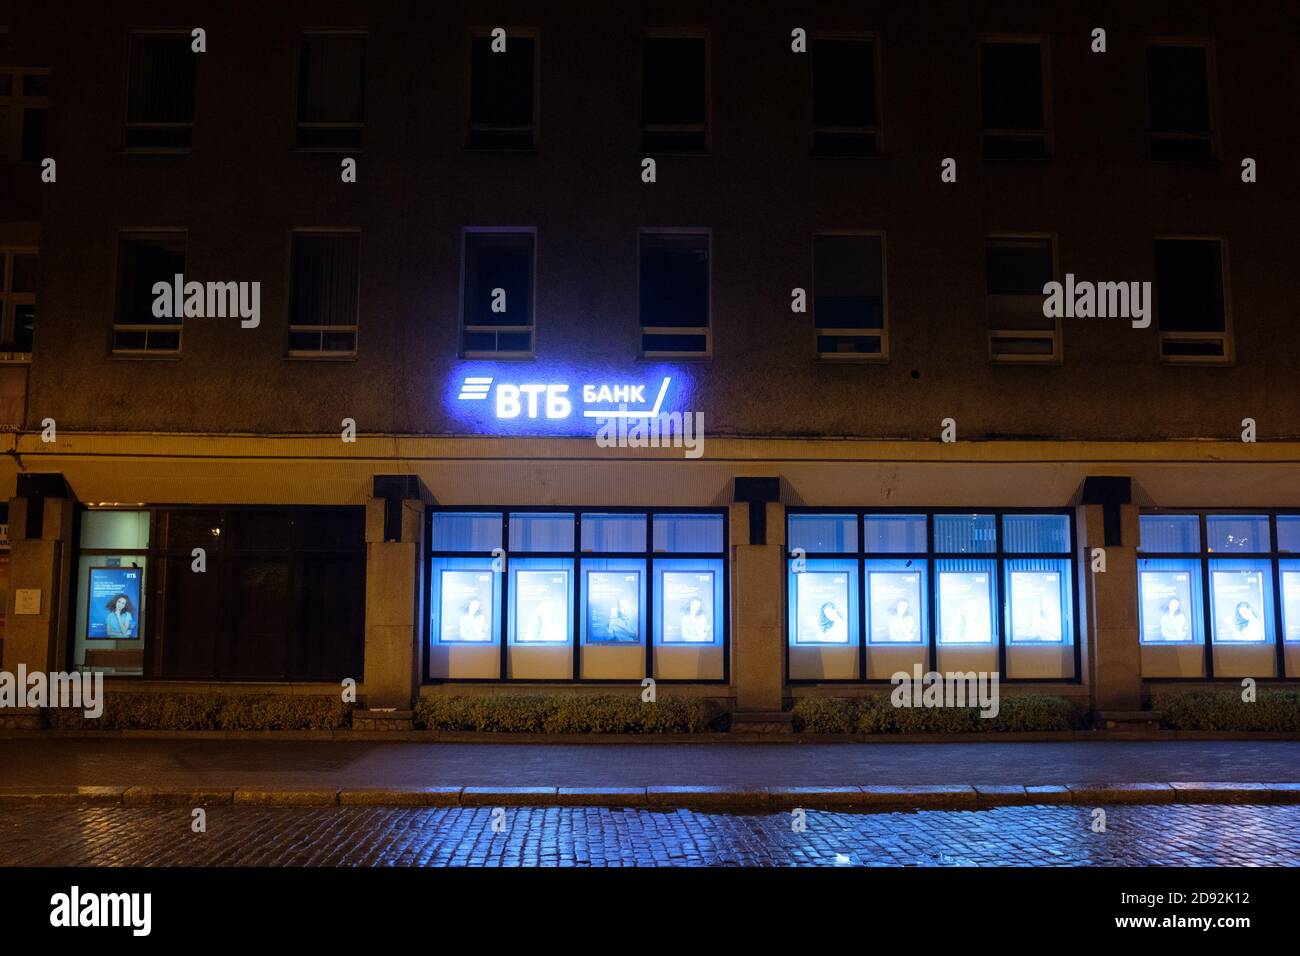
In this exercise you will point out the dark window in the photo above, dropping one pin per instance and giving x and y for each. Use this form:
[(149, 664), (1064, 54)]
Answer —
[(282, 598), (845, 121), (24, 101), (501, 93), (142, 260), (17, 300), (1189, 299), (323, 294), (674, 94), (674, 292), (498, 296), (331, 90), (1016, 270), (1178, 97), (1012, 100), (34, 120), (848, 296), (160, 92)]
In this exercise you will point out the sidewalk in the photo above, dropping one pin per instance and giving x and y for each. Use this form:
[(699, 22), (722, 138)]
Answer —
[(968, 774)]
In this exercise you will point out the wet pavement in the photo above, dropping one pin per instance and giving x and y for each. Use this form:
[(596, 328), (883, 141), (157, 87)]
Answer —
[(1168, 835)]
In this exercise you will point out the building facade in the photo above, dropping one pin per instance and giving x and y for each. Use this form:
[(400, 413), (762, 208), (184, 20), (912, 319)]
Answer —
[(458, 347)]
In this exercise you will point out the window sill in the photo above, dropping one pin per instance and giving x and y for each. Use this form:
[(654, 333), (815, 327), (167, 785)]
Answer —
[(144, 356), (320, 357), (155, 151)]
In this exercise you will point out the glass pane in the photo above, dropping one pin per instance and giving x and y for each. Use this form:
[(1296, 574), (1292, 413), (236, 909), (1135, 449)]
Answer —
[(1288, 533), (824, 603), (613, 532), (119, 530), (463, 531), (965, 534), (1241, 602), (848, 282), (844, 82), (689, 533), (1038, 601), (1036, 533), (1289, 572), (674, 283), (1018, 266), (541, 532), (259, 530), (897, 604), (673, 81), (1246, 533), (465, 601), (190, 528), (895, 534), (333, 529), (1011, 83), (24, 279), (827, 533), (1170, 534), (967, 595), (1189, 285)]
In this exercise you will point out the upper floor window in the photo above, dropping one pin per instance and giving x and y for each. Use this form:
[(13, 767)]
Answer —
[(17, 299), (324, 291), (849, 296), (1013, 99), (674, 293), (1179, 110), (160, 92), (331, 90), (497, 307), (143, 259), (1016, 269), (503, 91), (846, 113), (1191, 301), (24, 108), (674, 93)]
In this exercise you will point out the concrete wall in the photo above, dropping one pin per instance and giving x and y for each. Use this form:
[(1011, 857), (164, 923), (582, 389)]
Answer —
[(243, 189)]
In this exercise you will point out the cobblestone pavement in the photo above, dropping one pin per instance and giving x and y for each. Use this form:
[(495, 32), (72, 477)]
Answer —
[(1205, 835)]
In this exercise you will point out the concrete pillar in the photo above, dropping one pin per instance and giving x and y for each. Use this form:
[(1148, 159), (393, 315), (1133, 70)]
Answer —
[(1115, 656), (757, 634), (41, 567), (394, 606)]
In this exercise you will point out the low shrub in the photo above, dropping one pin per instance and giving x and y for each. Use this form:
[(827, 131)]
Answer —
[(876, 715), (567, 714), (1216, 710), (210, 712)]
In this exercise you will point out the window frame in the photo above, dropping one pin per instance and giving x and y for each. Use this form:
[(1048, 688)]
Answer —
[(10, 300), (649, 555), (644, 330), (1211, 99), (993, 300), (675, 33), (931, 558), (1203, 558), (178, 326), (462, 328), (127, 125), (878, 130), (311, 355), (533, 33), (872, 358), (296, 126), (1043, 42), (18, 103), (1229, 356)]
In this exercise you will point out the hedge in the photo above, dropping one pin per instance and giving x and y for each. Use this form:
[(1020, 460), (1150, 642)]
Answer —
[(209, 712), (567, 714), (876, 715), (1215, 710)]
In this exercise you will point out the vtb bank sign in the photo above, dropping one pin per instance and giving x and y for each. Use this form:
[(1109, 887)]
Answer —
[(558, 401)]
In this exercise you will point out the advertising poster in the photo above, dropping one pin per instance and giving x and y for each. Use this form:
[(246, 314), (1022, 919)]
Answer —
[(1036, 607), (688, 607), (1291, 604), (542, 608), (1238, 606), (964, 607), (895, 601), (613, 607), (114, 608), (466, 607), (1166, 597), (822, 607)]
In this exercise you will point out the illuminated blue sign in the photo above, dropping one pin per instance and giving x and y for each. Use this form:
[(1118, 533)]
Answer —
[(518, 398)]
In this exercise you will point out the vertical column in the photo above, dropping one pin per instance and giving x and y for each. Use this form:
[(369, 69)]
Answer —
[(1114, 653), (40, 549), (394, 608), (758, 657)]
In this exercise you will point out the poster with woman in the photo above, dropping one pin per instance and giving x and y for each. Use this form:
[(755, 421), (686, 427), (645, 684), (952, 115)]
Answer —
[(895, 601), (822, 607), (1238, 607), (1166, 598), (687, 607), (466, 607), (114, 610)]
